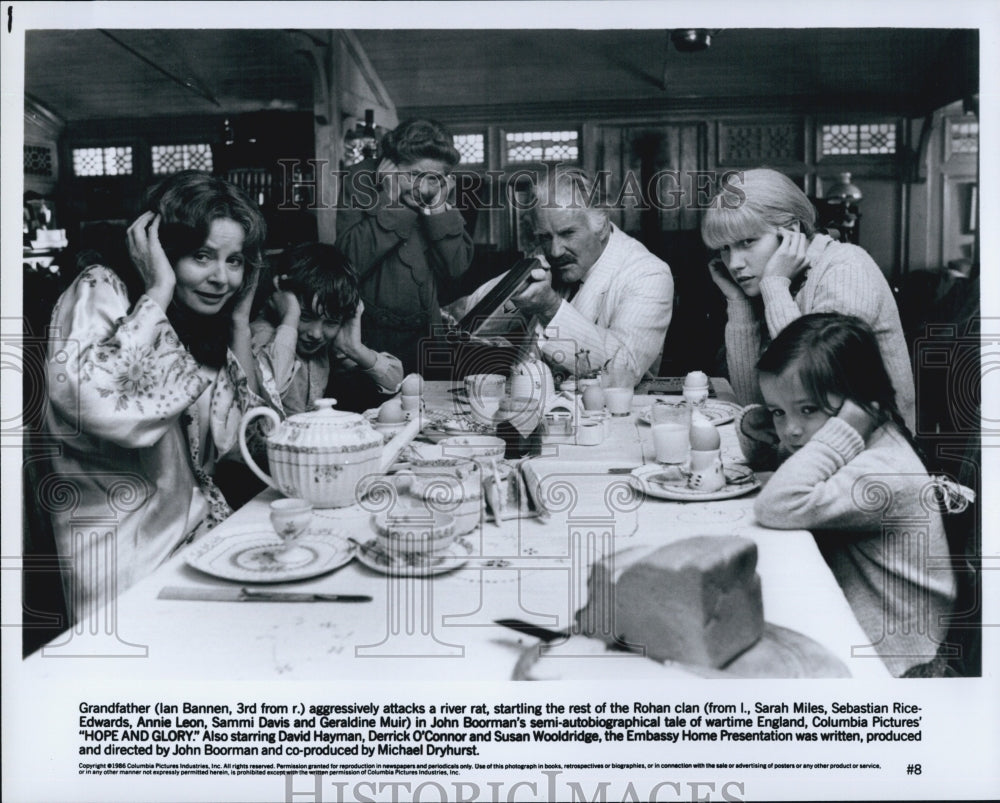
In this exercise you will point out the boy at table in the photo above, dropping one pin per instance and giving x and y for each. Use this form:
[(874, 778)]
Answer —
[(309, 335)]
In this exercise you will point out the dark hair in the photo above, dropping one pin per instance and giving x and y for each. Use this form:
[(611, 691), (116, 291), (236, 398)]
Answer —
[(188, 203), (321, 278), (417, 139), (839, 355)]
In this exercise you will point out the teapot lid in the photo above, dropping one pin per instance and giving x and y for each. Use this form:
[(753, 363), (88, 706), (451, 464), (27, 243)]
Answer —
[(325, 413), (326, 428)]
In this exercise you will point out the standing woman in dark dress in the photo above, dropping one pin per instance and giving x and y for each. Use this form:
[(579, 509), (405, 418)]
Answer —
[(406, 242)]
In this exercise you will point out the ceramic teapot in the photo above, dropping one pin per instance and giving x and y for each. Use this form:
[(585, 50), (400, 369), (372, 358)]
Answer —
[(321, 456)]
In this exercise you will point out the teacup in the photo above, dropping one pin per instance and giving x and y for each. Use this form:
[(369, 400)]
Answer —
[(413, 533), (462, 497)]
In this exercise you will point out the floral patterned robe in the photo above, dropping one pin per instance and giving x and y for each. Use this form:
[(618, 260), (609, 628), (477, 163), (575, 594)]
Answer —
[(140, 424)]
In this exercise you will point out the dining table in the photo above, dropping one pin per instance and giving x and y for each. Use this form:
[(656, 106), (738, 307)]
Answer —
[(445, 625)]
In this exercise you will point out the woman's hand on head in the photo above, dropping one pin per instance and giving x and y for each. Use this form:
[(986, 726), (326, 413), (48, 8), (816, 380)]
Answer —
[(150, 259), (724, 280), (789, 259), (244, 297)]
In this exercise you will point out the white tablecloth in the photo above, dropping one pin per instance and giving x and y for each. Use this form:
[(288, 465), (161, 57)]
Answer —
[(442, 628)]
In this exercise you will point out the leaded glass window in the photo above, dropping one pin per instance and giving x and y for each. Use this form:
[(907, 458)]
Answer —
[(543, 146)]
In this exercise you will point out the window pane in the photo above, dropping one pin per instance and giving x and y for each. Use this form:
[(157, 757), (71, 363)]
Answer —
[(115, 161), (472, 148), (858, 139), (37, 160), (964, 137), (88, 162), (877, 138), (169, 159), (543, 146), (840, 140)]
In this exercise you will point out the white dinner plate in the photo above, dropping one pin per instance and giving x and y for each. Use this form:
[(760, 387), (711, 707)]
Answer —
[(669, 482), (248, 556), (718, 412), (423, 566)]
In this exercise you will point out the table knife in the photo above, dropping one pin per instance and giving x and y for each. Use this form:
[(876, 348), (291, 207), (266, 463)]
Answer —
[(230, 594), (542, 633)]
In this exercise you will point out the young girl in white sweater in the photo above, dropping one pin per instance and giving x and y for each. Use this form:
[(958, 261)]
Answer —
[(853, 478)]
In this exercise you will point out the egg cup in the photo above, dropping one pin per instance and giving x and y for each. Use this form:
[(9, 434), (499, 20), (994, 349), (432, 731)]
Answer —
[(707, 473)]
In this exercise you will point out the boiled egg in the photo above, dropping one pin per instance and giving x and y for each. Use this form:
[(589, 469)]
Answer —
[(413, 385), (704, 436), (696, 379), (391, 412)]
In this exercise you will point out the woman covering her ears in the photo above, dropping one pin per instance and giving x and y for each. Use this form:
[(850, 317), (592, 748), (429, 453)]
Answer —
[(774, 266)]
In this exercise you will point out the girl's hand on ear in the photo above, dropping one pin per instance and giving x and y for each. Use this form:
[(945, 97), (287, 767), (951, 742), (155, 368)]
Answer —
[(723, 280), (150, 259), (789, 259), (857, 417)]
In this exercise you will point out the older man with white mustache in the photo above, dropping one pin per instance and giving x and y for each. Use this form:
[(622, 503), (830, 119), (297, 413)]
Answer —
[(603, 292)]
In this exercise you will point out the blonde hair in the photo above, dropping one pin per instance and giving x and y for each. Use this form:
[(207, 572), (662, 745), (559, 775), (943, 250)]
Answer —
[(752, 201)]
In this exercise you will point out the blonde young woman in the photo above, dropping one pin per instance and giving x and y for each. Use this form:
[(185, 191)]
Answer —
[(774, 267)]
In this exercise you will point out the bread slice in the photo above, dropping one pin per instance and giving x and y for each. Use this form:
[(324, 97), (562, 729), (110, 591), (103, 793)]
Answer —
[(696, 601)]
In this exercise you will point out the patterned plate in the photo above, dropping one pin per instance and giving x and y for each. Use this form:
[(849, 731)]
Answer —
[(448, 425), (249, 556), (670, 482), (419, 566), (718, 412)]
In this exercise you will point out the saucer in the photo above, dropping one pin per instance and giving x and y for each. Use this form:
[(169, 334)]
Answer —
[(670, 482), (248, 556), (455, 556)]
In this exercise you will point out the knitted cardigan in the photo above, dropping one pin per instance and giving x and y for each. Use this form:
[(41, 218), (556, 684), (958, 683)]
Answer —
[(874, 515), (840, 278)]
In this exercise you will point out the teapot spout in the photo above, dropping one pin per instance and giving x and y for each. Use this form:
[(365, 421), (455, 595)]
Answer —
[(399, 442)]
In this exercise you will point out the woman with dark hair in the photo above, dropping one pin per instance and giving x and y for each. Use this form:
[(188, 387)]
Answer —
[(149, 372), (407, 244), (774, 267)]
